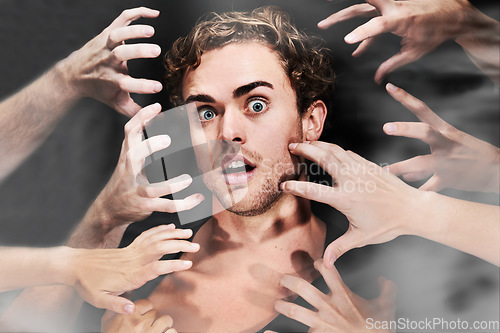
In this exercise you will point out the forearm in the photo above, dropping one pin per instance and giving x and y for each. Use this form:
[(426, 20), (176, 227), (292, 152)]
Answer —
[(49, 307), (26, 267), (98, 228), (481, 42), (28, 117), (471, 227)]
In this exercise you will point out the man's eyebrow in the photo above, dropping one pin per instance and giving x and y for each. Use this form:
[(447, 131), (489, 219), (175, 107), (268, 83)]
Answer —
[(200, 98), (243, 90)]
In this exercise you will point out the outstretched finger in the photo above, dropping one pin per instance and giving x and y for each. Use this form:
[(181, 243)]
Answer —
[(115, 303), (167, 187), (359, 10), (433, 184), (415, 164), (305, 290), (136, 124), (127, 52), (403, 57), (416, 106), (341, 245), (129, 84), (319, 154), (130, 15), (174, 206), (311, 191), (297, 312), (162, 267), (376, 26), (119, 35), (149, 234), (415, 130), (365, 45)]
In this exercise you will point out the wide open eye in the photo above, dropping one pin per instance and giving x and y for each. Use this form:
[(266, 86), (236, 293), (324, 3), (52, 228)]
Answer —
[(257, 105), (206, 114)]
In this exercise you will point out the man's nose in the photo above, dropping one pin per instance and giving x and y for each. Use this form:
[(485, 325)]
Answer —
[(232, 126)]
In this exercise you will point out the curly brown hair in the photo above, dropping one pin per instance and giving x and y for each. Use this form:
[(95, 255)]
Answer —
[(306, 61)]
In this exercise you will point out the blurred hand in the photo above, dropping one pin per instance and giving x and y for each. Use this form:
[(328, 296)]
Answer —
[(457, 159), (422, 24), (375, 202), (100, 275), (341, 310), (128, 196), (99, 68), (143, 320)]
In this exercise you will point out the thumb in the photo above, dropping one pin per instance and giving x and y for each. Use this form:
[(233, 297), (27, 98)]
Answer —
[(115, 303), (340, 246), (433, 184)]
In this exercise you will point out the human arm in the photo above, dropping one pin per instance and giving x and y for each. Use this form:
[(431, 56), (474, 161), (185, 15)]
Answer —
[(381, 207), (340, 310), (98, 275), (144, 320), (97, 70), (127, 198), (457, 159), (423, 25)]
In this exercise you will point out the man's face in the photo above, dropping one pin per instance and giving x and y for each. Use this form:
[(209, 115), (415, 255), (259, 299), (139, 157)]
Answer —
[(244, 98)]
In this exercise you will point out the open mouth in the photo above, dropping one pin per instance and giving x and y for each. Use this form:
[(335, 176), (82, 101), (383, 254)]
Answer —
[(237, 170)]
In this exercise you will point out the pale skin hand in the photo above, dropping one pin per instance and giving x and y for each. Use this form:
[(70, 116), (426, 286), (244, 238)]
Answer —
[(341, 310), (143, 320), (457, 159), (98, 275), (128, 196), (97, 70), (423, 25), (101, 275), (380, 207)]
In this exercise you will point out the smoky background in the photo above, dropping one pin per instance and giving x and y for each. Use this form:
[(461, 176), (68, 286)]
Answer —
[(42, 201)]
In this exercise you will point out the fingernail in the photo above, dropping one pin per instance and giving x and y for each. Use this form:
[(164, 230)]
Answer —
[(165, 139), (155, 50), (391, 87), (129, 308), (185, 178), (149, 31), (321, 24), (195, 246), (187, 232), (283, 186), (187, 263), (387, 168), (199, 197), (292, 146), (350, 38), (170, 226), (157, 87), (390, 128)]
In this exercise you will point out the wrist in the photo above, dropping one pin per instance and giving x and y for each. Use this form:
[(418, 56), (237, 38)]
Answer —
[(63, 72), (62, 263), (420, 213)]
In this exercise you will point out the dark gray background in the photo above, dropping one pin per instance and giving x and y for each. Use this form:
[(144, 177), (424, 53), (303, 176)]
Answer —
[(42, 200)]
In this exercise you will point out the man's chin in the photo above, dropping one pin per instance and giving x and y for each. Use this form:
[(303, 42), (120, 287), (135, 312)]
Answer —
[(255, 206)]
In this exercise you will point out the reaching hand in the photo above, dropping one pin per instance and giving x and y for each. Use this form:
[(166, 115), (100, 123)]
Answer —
[(361, 191), (341, 310), (457, 159), (99, 69), (423, 25), (143, 320), (100, 275), (129, 197)]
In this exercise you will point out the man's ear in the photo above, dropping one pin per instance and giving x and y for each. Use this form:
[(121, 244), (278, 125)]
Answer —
[(313, 121)]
